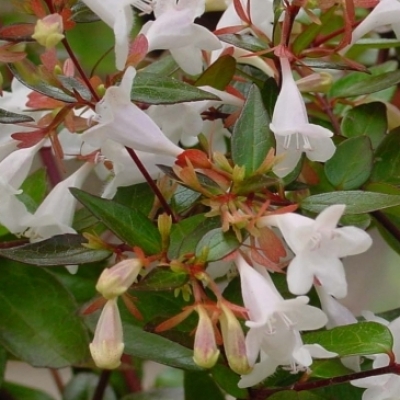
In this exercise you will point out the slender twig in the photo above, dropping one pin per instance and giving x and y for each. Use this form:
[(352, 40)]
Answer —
[(387, 224), (262, 394), (328, 109), (102, 385), (79, 68), (151, 183), (131, 378), (57, 380), (53, 171)]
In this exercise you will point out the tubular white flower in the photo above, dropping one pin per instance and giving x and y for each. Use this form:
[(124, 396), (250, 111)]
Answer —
[(318, 246), (54, 216), (122, 121), (275, 324), (118, 15), (174, 30), (293, 133), (386, 12), (108, 343), (13, 171)]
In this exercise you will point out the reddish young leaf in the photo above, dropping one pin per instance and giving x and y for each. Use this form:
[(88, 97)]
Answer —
[(17, 32)]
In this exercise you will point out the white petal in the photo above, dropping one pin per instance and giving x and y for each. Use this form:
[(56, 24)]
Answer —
[(349, 241), (189, 58), (260, 372), (299, 276), (328, 219), (318, 351)]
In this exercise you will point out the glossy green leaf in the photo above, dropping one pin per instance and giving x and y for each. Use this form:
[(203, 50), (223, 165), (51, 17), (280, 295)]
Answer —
[(183, 199), (356, 201), (149, 346), (186, 234), (269, 94), (251, 137), (40, 324), (200, 386), (351, 165), (24, 72), (366, 119), (219, 74), (217, 244), (329, 368), (7, 117), (160, 279), (154, 89), (363, 338), (387, 160), (14, 391), (368, 84), (157, 394), (129, 224), (228, 381), (74, 85), (247, 42), (58, 250), (341, 392), (34, 190), (362, 221), (376, 43), (3, 363), (82, 387), (163, 66), (139, 197)]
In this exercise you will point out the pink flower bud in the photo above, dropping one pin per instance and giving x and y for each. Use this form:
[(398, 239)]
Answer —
[(116, 280), (49, 30), (107, 346), (234, 341), (205, 348)]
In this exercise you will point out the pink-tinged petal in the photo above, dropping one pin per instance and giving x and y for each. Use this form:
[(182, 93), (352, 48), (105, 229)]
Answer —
[(122, 27), (349, 241), (260, 372), (299, 276), (204, 39)]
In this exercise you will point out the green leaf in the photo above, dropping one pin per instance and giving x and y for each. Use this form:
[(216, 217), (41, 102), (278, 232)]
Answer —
[(356, 201), (154, 89), (157, 394), (251, 137), (186, 234), (217, 244), (269, 94), (387, 160), (58, 250), (3, 363), (130, 225), (329, 368), (362, 338), (341, 392), (247, 42), (39, 318), (149, 346), (82, 387), (14, 391), (376, 43), (163, 66), (183, 199), (369, 84), (139, 197), (8, 117), (219, 74), (34, 190), (23, 72), (366, 119), (351, 165), (200, 386), (74, 85), (81, 13), (160, 279), (228, 381)]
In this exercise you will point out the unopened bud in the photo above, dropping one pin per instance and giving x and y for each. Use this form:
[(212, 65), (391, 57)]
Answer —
[(205, 348), (164, 226), (238, 173), (222, 162), (49, 31), (234, 341), (318, 82), (116, 280), (107, 346)]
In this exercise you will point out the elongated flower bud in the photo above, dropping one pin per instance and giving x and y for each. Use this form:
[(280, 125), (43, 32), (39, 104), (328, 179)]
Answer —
[(116, 280), (234, 341), (107, 346), (205, 348)]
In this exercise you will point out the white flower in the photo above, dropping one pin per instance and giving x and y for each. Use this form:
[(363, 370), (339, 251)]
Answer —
[(118, 15), (274, 326), (13, 171), (54, 216), (108, 343), (318, 246), (125, 172), (382, 387), (293, 133), (122, 121), (174, 29), (386, 12)]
